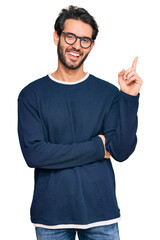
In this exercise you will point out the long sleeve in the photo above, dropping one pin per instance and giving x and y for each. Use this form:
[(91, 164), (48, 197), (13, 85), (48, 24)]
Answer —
[(39, 153), (120, 126)]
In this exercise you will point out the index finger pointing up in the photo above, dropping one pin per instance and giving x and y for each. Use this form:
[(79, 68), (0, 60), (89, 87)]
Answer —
[(134, 64)]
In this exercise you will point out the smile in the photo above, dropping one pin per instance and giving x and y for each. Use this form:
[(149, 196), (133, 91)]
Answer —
[(74, 54)]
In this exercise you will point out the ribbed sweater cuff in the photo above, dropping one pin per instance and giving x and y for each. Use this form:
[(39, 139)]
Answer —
[(99, 147), (129, 97)]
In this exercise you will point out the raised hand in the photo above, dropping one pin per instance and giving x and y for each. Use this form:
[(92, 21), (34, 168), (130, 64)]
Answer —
[(129, 80)]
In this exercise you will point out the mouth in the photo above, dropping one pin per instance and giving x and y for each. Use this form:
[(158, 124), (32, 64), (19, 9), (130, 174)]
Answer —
[(74, 55)]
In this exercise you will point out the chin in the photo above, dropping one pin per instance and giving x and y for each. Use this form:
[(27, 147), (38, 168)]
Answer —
[(72, 66)]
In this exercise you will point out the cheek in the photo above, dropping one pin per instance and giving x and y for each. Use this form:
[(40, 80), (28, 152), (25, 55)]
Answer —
[(63, 47), (86, 52)]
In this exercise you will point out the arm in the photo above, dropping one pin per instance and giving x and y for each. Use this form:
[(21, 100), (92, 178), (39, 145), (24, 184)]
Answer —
[(39, 153), (120, 126)]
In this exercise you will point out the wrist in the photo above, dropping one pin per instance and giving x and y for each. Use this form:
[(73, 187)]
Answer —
[(129, 96), (132, 93)]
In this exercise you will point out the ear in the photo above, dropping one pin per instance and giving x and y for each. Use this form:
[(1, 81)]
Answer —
[(56, 38)]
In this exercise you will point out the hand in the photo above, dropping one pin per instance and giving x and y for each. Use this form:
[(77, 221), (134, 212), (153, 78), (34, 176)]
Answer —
[(129, 80), (107, 154)]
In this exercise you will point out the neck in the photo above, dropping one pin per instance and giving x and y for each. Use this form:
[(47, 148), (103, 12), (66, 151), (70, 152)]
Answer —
[(68, 75)]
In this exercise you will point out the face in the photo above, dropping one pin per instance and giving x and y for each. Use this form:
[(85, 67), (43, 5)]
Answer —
[(73, 56)]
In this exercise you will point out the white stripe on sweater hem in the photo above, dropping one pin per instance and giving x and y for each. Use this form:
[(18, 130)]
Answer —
[(79, 226)]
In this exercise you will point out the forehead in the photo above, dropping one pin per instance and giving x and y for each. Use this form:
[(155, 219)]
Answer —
[(78, 27)]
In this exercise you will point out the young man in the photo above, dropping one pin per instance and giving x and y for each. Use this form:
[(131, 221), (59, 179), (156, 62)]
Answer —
[(69, 122)]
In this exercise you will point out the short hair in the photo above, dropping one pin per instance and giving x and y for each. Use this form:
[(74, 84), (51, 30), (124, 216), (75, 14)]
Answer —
[(73, 12)]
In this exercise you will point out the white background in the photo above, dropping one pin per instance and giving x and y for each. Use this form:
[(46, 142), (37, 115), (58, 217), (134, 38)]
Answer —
[(127, 29)]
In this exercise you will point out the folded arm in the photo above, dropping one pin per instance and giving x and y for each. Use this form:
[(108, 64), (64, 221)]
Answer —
[(39, 153)]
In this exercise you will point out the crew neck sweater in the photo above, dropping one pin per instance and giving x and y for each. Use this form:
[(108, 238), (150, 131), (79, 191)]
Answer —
[(58, 127)]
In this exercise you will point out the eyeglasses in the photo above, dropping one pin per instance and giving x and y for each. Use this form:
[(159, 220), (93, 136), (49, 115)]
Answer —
[(71, 38)]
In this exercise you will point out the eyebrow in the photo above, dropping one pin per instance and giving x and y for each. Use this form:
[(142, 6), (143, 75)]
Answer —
[(77, 34)]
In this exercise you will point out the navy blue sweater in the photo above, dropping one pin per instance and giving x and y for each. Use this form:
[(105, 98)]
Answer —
[(58, 127)]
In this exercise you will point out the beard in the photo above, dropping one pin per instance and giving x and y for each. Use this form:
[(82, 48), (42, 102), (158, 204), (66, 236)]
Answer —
[(63, 58)]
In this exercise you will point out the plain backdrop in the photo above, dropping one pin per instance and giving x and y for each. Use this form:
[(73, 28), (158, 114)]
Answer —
[(126, 29)]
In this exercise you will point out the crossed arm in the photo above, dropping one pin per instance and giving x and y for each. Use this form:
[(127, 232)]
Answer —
[(118, 139), (39, 153)]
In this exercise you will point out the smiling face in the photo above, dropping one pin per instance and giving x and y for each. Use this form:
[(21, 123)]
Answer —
[(73, 56)]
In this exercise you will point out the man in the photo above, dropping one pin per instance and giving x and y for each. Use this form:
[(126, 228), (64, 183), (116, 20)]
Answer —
[(69, 122)]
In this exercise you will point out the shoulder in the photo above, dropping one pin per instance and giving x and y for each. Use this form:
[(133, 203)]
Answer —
[(33, 87), (104, 86)]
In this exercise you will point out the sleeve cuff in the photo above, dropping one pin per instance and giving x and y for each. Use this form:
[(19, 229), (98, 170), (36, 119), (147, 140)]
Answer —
[(99, 147), (128, 96)]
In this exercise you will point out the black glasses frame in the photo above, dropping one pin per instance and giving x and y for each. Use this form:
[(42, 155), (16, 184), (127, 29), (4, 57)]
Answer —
[(81, 38)]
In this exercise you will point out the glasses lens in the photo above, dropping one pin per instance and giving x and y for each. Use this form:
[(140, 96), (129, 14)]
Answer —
[(86, 42), (70, 38)]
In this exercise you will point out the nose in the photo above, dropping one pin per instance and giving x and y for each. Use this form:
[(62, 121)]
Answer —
[(77, 44)]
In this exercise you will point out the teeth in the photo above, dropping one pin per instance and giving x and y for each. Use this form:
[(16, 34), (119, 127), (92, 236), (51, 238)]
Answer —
[(74, 54)]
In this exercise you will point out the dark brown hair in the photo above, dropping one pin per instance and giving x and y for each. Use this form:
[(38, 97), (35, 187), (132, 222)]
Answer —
[(73, 12)]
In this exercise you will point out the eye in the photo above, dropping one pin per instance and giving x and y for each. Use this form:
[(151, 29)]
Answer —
[(70, 36), (85, 40)]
